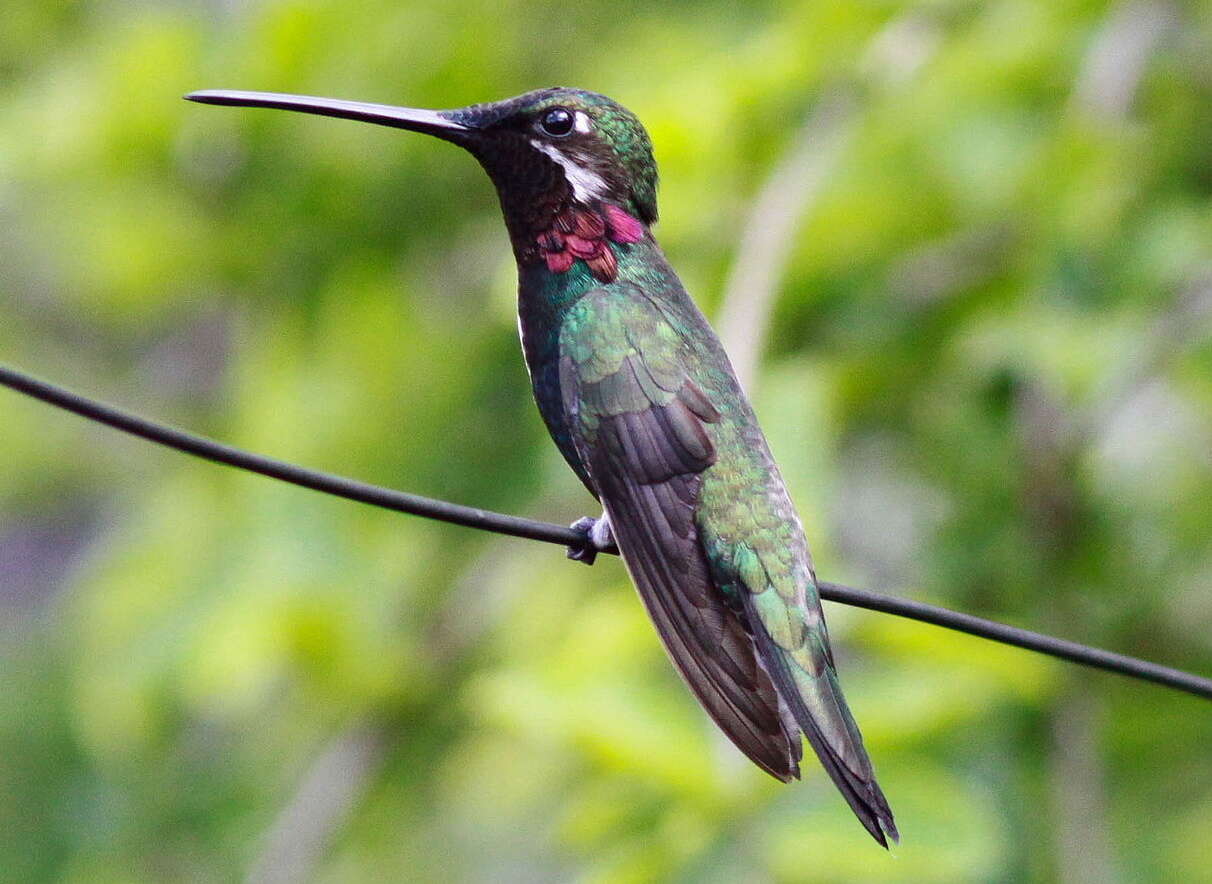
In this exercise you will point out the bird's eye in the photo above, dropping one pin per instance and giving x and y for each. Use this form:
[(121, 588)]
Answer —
[(557, 122)]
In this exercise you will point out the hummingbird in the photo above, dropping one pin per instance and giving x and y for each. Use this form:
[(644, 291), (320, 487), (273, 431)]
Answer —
[(641, 400)]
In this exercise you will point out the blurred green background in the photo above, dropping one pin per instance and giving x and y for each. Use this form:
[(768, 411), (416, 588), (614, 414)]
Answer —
[(961, 250)]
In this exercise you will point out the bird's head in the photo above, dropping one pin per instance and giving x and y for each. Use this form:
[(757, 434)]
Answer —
[(550, 152)]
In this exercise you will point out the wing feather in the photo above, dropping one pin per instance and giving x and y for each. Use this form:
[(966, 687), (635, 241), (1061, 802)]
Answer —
[(638, 421), (753, 649)]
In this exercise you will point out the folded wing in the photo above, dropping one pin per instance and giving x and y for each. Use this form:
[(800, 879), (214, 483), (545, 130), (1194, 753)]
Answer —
[(641, 429)]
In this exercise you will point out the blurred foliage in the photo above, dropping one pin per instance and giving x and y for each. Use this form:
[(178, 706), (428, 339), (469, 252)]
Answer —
[(989, 380)]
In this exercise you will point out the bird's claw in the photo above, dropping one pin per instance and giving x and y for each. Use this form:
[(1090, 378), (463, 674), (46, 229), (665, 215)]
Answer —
[(596, 537)]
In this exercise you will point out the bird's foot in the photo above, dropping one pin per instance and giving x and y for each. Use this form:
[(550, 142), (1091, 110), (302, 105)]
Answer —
[(596, 537)]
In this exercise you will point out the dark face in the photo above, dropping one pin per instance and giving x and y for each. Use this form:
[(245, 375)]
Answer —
[(564, 144), (546, 151)]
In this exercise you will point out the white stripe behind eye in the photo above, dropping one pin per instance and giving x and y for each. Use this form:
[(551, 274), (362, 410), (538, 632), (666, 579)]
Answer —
[(586, 184), (583, 124)]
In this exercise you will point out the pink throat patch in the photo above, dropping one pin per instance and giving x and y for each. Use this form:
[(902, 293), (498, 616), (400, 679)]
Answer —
[(583, 233)]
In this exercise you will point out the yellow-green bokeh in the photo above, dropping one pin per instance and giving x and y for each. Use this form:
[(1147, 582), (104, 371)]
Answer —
[(988, 379)]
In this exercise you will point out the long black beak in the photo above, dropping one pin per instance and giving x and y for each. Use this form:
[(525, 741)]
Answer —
[(437, 123)]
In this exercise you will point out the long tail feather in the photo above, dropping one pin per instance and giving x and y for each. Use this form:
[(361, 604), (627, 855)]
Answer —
[(816, 703)]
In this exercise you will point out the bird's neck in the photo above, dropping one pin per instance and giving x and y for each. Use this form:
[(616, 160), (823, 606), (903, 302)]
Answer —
[(581, 248), (574, 241)]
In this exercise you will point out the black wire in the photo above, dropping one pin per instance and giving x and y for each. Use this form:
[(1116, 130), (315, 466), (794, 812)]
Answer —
[(362, 492), (531, 529)]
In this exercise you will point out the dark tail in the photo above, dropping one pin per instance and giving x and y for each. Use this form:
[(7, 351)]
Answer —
[(807, 683)]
